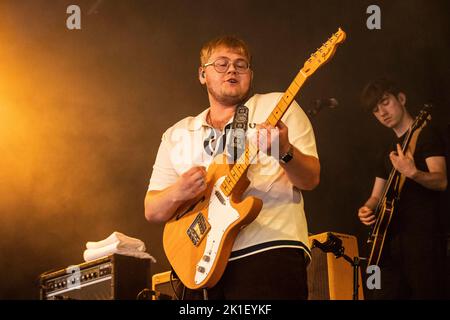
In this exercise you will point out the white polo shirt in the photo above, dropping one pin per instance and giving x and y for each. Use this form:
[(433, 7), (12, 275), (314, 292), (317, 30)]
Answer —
[(282, 221)]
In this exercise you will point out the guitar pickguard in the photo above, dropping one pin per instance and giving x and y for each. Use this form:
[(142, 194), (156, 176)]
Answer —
[(220, 216)]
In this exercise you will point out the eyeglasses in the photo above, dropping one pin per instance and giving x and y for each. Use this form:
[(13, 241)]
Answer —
[(221, 65)]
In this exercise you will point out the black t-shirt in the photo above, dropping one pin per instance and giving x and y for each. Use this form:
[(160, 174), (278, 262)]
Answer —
[(417, 212)]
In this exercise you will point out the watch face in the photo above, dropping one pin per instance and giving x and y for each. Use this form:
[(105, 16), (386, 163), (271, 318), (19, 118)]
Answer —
[(287, 157)]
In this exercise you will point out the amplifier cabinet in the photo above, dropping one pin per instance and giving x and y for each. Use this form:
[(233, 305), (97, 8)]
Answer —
[(330, 278), (164, 286), (114, 277)]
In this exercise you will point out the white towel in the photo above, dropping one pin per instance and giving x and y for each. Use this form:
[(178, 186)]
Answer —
[(116, 243), (120, 240)]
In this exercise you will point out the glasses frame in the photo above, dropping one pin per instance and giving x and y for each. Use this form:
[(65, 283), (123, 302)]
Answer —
[(213, 63)]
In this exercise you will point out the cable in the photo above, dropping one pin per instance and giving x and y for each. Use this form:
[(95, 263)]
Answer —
[(145, 294), (172, 278)]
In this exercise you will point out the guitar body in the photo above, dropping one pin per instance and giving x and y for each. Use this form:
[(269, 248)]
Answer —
[(380, 230), (199, 237)]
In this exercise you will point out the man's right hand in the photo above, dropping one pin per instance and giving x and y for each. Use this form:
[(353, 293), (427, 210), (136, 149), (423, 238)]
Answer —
[(366, 215), (190, 184)]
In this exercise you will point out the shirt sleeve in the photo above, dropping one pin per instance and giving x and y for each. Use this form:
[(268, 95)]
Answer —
[(164, 174), (431, 143), (301, 133)]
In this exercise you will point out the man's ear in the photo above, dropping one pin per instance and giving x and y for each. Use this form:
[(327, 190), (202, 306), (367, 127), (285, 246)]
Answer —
[(201, 75), (401, 97)]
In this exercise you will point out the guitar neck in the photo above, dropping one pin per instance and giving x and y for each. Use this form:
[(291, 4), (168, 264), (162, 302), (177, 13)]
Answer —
[(287, 98), (244, 161), (317, 59)]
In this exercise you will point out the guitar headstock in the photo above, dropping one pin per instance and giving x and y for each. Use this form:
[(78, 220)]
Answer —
[(423, 117), (324, 53)]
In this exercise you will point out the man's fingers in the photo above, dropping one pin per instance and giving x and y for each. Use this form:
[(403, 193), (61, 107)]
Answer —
[(192, 171), (365, 214), (367, 219), (281, 125), (364, 211), (399, 150), (198, 175)]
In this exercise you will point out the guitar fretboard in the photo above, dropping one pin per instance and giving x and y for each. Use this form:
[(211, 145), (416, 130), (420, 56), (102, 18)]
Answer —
[(244, 161)]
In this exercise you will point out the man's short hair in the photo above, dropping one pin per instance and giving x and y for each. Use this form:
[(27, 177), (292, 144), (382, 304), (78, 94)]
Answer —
[(374, 91), (227, 41)]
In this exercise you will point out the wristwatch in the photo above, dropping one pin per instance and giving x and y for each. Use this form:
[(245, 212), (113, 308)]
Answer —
[(285, 158)]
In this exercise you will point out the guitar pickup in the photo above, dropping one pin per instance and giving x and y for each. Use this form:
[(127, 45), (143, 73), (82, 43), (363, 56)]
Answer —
[(198, 229), (220, 197)]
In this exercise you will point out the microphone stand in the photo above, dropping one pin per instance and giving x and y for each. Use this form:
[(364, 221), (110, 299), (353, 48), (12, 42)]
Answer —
[(334, 245)]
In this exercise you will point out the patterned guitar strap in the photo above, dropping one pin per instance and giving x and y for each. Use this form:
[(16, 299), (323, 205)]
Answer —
[(236, 145)]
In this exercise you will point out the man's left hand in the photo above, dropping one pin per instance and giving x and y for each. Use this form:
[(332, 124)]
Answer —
[(404, 163), (269, 135)]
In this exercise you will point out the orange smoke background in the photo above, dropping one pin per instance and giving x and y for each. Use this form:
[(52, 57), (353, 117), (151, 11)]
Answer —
[(82, 112)]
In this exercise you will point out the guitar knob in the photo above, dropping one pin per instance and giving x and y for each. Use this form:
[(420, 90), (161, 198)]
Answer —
[(201, 269)]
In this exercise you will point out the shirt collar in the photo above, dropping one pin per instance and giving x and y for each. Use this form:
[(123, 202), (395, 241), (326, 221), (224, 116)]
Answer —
[(199, 121)]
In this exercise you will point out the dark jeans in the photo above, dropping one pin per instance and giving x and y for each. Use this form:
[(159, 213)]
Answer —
[(272, 274), (411, 268)]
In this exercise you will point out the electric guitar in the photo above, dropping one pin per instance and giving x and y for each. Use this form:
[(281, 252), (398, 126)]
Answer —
[(199, 237), (391, 193)]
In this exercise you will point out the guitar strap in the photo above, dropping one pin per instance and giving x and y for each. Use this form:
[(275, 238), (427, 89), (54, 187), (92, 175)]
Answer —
[(236, 145)]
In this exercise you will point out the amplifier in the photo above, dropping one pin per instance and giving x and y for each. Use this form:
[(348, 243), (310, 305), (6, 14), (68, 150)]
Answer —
[(330, 278), (164, 286), (114, 277)]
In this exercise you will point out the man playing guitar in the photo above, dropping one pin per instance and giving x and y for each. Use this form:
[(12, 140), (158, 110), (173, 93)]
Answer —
[(409, 258), (269, 256)]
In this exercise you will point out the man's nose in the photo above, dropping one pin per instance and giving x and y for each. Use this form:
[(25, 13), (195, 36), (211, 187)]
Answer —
[(231, 68), (382, 110)]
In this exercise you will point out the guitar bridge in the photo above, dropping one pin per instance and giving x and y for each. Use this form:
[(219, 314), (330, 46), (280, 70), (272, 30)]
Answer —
[(198, 229)]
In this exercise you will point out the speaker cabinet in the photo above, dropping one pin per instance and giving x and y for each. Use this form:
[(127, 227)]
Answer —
[(331, 278)]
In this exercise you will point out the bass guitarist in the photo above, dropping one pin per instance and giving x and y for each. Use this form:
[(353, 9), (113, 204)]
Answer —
[(269, 256), (410, 258)]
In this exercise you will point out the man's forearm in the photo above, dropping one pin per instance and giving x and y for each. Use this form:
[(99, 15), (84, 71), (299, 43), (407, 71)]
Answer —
[(160, 205), (303, 170), (431, 180), (372, 202)]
